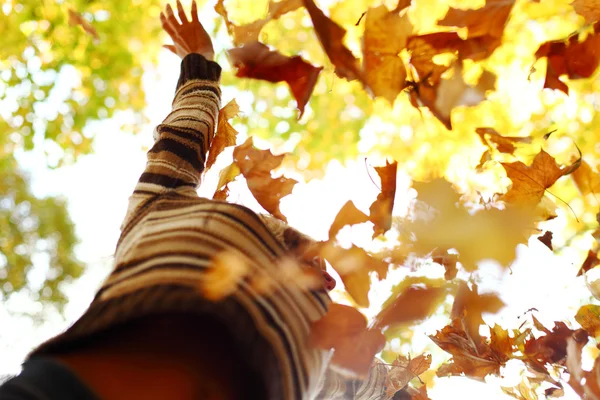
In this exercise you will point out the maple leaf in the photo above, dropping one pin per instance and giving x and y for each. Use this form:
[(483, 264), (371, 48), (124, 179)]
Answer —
[(504, 144), (588, 9), (530, 182), (348, 215), (467, 358), (225, 135), (381, 209), (546, 238), (413, 304), (590, 262), (403, 371), (588, 317), (550, 348), (243, 34), (255, 60), (446, 94), (256, 166), (354, 265), (469, 305), (76, 18), (586, 179), (331, 36), (226, 175), (489, 20), (570, 57), (344, 329), (385, 36)]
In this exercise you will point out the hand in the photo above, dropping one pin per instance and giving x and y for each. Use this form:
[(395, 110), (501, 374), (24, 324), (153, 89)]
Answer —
[(188, 36)]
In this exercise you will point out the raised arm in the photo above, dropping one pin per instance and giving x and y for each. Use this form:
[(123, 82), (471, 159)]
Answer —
[(176, 160)]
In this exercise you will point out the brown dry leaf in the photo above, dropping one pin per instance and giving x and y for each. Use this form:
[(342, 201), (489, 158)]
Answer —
[(348, 215), (589, 9), (550, 348), (586, 179), (255, 60), (467, 358), (225, 135), (446, 94), (530, 182), (344, 329), (354, 266), (590, 390), (403, 371), (448, 261), (504, 144), (588, 317), (385, 36), (331, 36), (243, 34), (222, 278), (590, 262), (489, 20), (381, 209), (256, 166), (469, 306), (76, 18), (546, 238), (413, 304), (570, 57)]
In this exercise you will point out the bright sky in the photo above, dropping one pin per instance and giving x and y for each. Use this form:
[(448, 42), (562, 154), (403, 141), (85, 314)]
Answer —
[(98, 186)]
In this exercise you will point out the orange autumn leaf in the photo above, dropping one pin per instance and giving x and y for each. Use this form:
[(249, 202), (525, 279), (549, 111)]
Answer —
[(76, 18), (413, 304), (586, 179), (530, 182), (588, 9), (225, 135), (331, 36), (256, 166), (488, 20), (588, 317), (448, 261), (570, 57), (590, 390), (403, 371), (590, 262), (494, 140), (385, 36), (380, 212), (255, 60), (348, 215), (243, 34), (550, 348), (344, 329), (226, 176), (222, 278)]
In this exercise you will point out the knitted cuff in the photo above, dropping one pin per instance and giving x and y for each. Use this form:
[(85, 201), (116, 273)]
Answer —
[(196, 66)]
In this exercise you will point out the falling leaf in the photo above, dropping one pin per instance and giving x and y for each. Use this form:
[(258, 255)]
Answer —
[(489, 20), (448, 261), (404, 370), (344, 329), (550, 348), (469, 305), (354, 266), (413, 304), (546, 238), (348, 215), (589, 9), (504, 144), (385, 36), (331, 36), (222, 278), (256, 166), (381, 209), (570, 57), (530, 182), (590, 262), (225, 135), (255, 60), (586, 179), (76, 18), (227, 175), (247, 33), (467, 358), (588, 317), (590, 390)]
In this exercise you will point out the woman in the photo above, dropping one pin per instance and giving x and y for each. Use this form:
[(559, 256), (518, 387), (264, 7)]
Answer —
[(151, 331)]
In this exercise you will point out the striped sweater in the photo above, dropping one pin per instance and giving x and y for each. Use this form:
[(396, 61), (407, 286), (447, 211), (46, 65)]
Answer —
[(169, 238)]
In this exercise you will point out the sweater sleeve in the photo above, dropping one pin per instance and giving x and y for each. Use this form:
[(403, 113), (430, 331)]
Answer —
[(176, 160)]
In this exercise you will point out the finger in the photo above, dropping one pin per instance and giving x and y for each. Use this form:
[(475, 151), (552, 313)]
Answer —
[(166, 26), (194, 11), (170, 47), (181, 12), (171, 16)]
